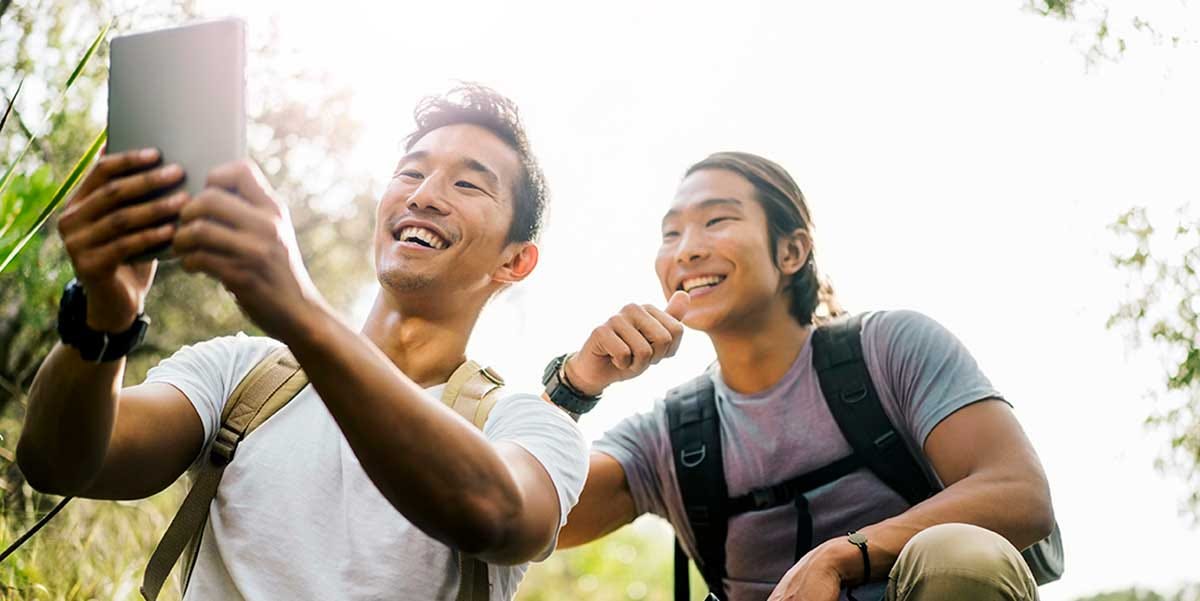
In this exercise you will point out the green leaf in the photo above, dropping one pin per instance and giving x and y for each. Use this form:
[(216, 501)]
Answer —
[(11, 103), (58, 104), (63, 189)]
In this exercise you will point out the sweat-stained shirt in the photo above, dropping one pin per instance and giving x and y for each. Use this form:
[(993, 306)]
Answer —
[(922, 373)]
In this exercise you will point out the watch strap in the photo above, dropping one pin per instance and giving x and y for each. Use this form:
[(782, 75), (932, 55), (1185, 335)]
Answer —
[(561, 392)]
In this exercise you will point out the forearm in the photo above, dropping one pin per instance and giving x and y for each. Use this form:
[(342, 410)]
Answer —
[(1014, 507), (69, 421), (605, 504), (431, 465)]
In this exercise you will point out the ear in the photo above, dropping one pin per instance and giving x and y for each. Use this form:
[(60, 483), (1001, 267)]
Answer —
[(792, 251), (521, 259)]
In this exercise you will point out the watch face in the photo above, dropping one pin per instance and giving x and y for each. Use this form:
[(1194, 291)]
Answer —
[(858, 538), (551, 369)]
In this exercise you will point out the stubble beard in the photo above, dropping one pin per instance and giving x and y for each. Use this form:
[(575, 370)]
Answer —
[(400, 281)]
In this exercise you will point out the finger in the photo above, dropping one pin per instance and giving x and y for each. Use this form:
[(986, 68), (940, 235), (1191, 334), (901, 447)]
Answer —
[(220, 267), (127, 189), (243, 178), (125, 220), (112, 165), (613, 347), (655, 333), (673, 326), (212, 237), (115, 252), (677, 307), (639, 347), (215, 204)]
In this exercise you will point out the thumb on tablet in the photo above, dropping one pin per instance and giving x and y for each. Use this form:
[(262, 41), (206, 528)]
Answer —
[(678, 305)]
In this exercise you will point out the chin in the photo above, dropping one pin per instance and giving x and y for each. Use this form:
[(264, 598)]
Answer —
[(399, 280)]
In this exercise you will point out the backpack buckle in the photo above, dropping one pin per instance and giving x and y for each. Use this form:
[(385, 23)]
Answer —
[(224, 446), (764, 498), (491, 374)]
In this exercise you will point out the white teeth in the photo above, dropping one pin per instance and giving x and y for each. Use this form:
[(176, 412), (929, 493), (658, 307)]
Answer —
[(704, 280), (424, 235)]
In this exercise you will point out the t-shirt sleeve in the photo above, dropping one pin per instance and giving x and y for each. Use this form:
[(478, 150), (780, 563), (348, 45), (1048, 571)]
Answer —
[(929, 371), (207, 372), (639, 443), (552, 438)]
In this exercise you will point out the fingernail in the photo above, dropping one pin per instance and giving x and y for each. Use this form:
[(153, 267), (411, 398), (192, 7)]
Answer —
[(172, 171), (148, 153)]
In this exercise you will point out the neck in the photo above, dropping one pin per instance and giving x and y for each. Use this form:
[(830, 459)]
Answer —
[(426, 347), (757, 355)]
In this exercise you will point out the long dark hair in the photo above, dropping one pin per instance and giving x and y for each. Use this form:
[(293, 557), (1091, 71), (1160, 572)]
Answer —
[(813, 299)]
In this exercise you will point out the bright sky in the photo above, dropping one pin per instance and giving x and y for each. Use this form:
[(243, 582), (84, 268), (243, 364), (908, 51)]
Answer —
[(960, 158)]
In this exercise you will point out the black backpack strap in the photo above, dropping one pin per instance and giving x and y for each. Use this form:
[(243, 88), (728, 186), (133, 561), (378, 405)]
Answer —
[(855, 404), (700, 471)]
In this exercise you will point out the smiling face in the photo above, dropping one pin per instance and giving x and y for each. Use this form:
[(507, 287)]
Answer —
[(443, 221), (715, 246)]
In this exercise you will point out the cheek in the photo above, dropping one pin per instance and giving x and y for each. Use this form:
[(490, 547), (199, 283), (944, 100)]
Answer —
[(662, 264)]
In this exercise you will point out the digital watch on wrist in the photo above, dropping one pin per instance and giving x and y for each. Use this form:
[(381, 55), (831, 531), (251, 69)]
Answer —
[(92, 345), (560, 390)]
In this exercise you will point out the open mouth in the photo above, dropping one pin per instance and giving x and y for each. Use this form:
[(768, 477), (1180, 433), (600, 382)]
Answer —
[(421, 236), (700, 283)]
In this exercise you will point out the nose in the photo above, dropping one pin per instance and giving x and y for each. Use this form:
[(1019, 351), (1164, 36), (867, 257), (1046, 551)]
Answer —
[(691, 247), (428, 197)]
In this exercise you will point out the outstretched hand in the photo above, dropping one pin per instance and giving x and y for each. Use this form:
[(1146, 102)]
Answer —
[(238, 232)]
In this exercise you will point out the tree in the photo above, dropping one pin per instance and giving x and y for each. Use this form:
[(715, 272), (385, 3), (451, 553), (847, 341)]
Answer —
[(1108, 28), (1163, 307)]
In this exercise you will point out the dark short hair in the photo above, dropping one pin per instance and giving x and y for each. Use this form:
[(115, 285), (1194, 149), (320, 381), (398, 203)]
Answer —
[(480, 105), (787, 210)]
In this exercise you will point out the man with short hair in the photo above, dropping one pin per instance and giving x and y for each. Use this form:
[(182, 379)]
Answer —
[(364, 486)]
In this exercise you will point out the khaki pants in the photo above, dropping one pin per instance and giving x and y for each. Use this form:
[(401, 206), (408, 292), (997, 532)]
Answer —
[(960, 561)]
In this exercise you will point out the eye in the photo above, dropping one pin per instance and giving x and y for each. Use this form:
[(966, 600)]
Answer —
[(468, 185), (410, 174), (716, 220), (670, 234)]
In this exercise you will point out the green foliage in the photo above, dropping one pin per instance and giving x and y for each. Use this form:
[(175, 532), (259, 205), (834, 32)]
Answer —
[(1162, 307), (35, 210), (1109, 29), (1188, 593), (633, 563), (97, 550), (1053, 8)]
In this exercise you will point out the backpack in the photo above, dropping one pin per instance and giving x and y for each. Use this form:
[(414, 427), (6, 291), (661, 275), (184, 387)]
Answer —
[(693, 424), (271, 384)]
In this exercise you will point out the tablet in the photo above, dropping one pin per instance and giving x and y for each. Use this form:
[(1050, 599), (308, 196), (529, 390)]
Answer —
[(182, 91)]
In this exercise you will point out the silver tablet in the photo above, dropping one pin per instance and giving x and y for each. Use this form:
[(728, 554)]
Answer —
[(182, 91)]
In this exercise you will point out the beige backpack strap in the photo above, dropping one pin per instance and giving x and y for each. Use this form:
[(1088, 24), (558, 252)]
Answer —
[(266, 389), (472, 392)]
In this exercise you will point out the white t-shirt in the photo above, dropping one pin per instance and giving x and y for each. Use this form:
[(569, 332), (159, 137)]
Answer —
[(296, 517)]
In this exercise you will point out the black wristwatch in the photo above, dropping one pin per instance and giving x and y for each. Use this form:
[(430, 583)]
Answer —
[(859, 540), (92, 345), (560, 390)]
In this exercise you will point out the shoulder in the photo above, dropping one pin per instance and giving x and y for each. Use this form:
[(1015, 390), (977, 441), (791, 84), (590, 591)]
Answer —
[(522, 411), (906, 332)]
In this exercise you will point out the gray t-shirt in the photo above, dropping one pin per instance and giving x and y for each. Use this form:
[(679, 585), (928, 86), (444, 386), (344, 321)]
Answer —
[(922, 373)]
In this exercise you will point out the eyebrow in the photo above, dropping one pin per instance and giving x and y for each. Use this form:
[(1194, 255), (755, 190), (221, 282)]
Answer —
[(706, 203), (467, 162)]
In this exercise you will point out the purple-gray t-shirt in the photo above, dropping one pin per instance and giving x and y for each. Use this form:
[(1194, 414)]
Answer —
[(922, 373)]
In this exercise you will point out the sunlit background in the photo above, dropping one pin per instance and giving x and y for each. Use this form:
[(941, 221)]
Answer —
[(963, 159)]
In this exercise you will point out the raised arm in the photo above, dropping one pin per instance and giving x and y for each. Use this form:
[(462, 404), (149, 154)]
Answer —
[(621, 348), (83, 434)]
